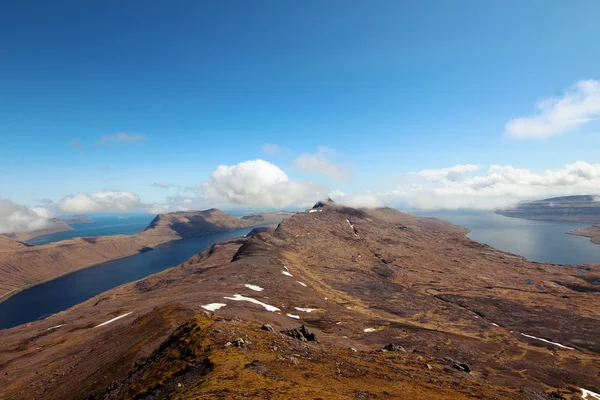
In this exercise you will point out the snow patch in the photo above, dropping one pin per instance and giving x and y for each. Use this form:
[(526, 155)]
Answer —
[(367, 330), (351, 226), (312, 211), (547, 341), (55, 327), (303, 284), (494, 324), (113, 320), (293, 316), (585, 393), (308, 310), (254, 287), (213, 306), (239, 297), (286, 273), (286, 268)]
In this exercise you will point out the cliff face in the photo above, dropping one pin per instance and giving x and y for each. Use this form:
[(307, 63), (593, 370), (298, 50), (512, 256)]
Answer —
[(22, 266), (464, 320), (584, 208)]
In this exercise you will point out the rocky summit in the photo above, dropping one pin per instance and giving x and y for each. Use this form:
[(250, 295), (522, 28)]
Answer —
[(402, 307)]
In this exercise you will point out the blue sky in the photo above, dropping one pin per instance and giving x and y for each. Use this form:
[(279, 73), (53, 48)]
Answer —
[(392, 86)]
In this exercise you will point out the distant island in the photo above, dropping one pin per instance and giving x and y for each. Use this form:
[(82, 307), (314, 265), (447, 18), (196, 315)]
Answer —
[(23, 265), (582, 208), (77, 219)]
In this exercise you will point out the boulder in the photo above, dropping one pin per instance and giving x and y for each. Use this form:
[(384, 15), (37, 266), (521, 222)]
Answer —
[(394, 347), (302, 334), (268, 328)]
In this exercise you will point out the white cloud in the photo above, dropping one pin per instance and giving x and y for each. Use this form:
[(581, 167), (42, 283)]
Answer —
[(122, 137), (499, 186), (270, 148), (178, 203), (46, 201), (579, 105), (452, 174), (162, 185), (259, 183), (358, 200), (100, 201), (320, 163), (336, 194), (18, 218), (158, 208)]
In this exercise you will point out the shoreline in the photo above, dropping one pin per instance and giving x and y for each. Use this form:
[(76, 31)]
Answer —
[(26, 236), (152, 247), (581, 232), (14, 292)]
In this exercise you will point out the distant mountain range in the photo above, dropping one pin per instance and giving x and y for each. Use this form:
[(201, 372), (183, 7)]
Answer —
[(583, 208), (23, 265)]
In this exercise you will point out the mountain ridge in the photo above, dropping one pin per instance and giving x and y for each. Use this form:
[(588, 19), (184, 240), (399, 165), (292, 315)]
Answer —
[(358, 279)]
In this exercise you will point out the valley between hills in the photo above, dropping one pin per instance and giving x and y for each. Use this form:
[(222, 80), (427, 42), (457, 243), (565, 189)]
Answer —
[(393, 306), (23, 265)]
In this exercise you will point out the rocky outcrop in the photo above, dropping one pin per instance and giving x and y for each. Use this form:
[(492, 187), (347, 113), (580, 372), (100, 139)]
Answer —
[(302, 333)]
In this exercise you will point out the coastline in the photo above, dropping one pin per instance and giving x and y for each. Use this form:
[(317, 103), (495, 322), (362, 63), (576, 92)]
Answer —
[(138, 250), (14, 292), (591, 232), (25, 236)]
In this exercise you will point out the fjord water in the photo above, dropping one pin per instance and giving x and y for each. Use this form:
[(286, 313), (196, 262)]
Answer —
[(61, 293), (103, 225), (542, 241)]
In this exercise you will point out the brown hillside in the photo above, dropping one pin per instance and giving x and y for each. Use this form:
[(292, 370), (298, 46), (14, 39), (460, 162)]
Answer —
[(355, 278), (22, 266)]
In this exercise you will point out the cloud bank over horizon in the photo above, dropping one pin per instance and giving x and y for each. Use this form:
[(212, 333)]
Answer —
[(107, 200), (261, 184), (357, 200), (18, 218), (497, 187)]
